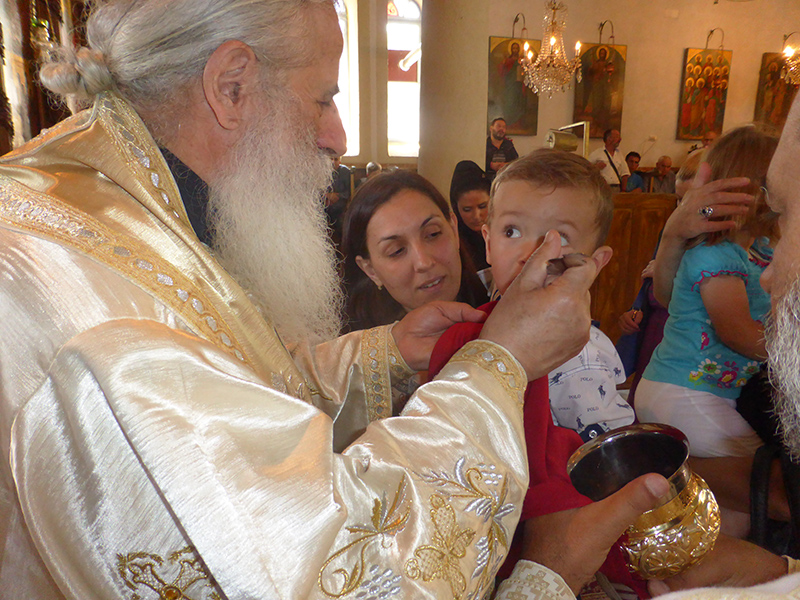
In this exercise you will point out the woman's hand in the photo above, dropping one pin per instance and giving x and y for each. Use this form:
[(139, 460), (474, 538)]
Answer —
[(417, 333)]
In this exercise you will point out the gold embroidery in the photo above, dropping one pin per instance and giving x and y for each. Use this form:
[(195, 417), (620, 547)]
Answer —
[(132, 139), (440, 559), (29, 210), (498, 362), (485, 491), (377, 388), (400, 371), (139, 569), (386, 520)]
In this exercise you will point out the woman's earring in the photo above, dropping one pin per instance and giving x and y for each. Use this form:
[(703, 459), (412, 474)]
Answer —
[(380, 286)]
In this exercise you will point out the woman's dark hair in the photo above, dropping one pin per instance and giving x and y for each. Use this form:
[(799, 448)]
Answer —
[(367, 306), (469, 177)]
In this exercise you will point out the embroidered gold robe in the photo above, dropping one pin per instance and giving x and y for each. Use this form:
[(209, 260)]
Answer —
[(160, 441)]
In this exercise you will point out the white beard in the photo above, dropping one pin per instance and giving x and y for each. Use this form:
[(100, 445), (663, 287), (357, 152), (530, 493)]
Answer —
[(270, 230), (783, 347)]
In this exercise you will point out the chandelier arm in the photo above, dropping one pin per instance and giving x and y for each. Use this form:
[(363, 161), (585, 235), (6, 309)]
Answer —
[(602, 25)]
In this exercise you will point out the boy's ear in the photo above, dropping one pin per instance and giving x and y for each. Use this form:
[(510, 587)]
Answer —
[(366, 265), (486, 239), (601, 256)]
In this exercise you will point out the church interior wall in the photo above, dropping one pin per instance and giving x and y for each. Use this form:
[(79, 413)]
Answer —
[(455, 65)]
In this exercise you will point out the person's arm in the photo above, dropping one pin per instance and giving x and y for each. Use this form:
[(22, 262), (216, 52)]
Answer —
[(623, 185), (686, 223), (730, 563), (725, 299)]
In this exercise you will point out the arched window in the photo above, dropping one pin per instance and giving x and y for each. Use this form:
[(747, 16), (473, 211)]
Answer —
[(403, 43)]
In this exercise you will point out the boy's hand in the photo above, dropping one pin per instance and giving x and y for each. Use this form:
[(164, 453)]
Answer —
[(545, 325)]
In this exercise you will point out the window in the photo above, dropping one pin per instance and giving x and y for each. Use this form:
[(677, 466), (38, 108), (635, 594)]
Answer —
[(403, 42), (347, 99)]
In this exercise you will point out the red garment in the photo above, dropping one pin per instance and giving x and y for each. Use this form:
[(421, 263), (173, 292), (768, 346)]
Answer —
[(549, 448)]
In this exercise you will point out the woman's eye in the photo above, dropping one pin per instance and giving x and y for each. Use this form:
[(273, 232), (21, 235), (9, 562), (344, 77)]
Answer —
[(396, 252), (512, 232), (483, 206)]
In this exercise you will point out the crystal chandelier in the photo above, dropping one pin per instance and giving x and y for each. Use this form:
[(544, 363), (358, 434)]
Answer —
[(552, 71), (791, 62)]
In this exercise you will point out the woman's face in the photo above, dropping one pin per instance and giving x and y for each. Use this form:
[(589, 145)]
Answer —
[(413, 250), (473, 206)]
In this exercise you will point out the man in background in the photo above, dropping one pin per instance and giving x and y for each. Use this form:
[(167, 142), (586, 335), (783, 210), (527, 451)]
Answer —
[(663, 179), (609, 160), (635, 180), (499, 149)]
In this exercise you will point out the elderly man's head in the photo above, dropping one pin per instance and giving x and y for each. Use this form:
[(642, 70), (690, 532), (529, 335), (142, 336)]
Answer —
[(782, 280), (242, 92), (663, 165)]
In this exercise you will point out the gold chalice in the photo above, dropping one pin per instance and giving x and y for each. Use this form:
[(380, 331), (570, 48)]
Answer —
[(676, 534)]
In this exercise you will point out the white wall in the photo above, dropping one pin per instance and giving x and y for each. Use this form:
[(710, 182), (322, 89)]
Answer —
[(656, 33)]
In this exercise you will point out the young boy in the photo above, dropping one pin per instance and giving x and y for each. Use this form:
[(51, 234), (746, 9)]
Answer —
[(546, 190), (555, 190)]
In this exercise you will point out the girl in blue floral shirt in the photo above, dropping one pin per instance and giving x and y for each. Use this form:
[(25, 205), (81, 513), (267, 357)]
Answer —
[(714, 337)]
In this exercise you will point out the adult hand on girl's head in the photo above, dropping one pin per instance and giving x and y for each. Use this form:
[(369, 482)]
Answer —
[(417, 333), (545, 325), (686, 222)]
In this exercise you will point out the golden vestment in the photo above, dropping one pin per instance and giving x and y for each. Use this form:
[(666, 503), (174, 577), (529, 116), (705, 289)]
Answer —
[(161, 442)]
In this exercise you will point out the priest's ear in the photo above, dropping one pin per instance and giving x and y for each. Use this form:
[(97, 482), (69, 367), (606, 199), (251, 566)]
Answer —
[(229, 78)]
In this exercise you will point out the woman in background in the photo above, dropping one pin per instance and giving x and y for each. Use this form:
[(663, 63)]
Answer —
[(402, 250), (469, 198)]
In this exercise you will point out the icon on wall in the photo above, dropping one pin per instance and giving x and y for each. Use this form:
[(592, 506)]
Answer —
[(775, 95), (598, 96), (509, 97), (704, 92)]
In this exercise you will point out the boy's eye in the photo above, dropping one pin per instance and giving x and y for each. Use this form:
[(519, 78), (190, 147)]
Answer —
[(434, 234), (483, 205), (564, 240), (512, 232)]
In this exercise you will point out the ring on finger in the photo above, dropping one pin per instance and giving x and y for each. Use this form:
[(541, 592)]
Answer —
[(706, 212)]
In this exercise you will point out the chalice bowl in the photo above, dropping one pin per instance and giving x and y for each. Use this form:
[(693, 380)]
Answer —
[(672, 536)]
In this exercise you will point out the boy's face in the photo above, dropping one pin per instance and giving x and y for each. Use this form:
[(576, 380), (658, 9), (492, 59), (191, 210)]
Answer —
[(521, 216)]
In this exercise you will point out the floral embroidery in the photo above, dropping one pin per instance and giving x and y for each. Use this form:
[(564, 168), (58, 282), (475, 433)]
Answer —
[(704, 340), (140, 570), (485, 490), (727, 375), (387, 520), (440, 559), (381, 584)]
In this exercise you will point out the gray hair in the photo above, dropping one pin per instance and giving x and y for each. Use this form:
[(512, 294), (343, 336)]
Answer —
[(147, 50)]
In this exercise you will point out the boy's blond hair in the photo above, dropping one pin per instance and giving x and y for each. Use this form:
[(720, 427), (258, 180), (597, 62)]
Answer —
[(559, 169)]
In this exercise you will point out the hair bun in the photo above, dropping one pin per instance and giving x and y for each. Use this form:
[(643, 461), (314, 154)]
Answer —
[(80, 74)]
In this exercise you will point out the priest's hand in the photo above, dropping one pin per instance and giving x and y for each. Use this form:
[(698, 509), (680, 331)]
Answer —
[(574, 543), (417, 333), (541, 320), (731, 563)]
